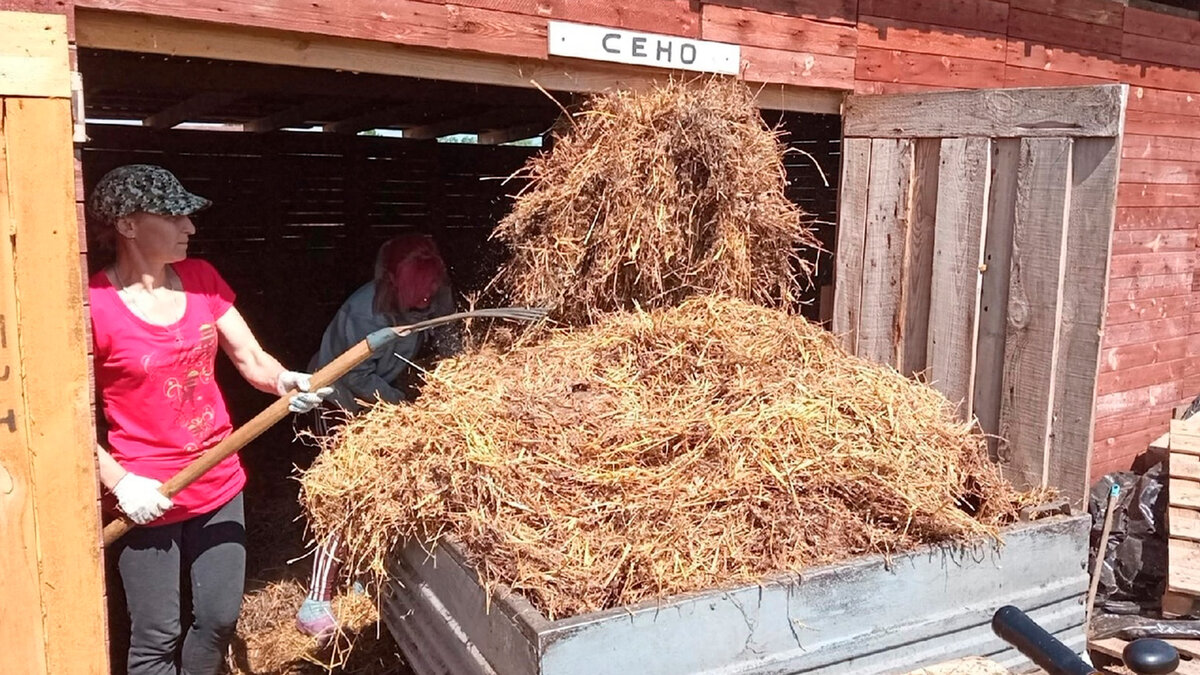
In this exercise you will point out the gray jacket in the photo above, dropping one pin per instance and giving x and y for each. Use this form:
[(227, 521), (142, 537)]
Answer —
[(375, 378)]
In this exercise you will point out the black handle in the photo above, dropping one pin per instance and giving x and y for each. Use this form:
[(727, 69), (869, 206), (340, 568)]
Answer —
[(1051, 655)]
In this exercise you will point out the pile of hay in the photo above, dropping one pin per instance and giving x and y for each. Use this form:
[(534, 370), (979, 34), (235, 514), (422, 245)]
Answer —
[(655, 453), (268, 643), (650, 197)]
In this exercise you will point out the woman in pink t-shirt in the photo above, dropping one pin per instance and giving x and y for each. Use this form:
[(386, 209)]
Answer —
[(158, 319)]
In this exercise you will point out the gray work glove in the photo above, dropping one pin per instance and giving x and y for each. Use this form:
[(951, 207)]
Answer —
[(140, 499), (305, 400)]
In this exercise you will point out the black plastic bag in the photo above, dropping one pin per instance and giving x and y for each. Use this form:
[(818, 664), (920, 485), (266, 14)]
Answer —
[(1134, 573)]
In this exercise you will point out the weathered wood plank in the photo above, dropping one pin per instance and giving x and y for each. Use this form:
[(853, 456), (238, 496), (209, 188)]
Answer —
[(1117, 359), (964, 183), (760, 64), (918, 258), (851, 240), (669, 17), (881, 33), (1091, 11), (1034, 303), (1158, 194), (33, 55), (1064, 32), (927, 69), (1164, 101), (760, 29), (1126, 241), (1159, 50), (1092, 210), (1159, 25), (835, 11), (1146, 309), (1183, 563), (1157, 218), (994, 288), (1048, 112), (984, 15), (887, 215), (21, 582)]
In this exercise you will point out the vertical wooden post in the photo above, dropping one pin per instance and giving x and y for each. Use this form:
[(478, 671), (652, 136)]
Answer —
[(851, 232), (50, 572)]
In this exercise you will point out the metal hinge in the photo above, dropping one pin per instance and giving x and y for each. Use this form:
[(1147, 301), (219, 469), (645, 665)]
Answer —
[(78, 112)]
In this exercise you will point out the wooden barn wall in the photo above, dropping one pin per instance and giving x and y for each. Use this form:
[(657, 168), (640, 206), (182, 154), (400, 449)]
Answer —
[(1151, 348)]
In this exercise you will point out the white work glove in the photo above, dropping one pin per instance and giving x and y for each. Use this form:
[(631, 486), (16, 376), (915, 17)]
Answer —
[(140, 499), (305, 400)]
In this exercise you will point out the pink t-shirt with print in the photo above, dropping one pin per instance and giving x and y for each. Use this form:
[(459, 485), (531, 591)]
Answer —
[(160, 399)]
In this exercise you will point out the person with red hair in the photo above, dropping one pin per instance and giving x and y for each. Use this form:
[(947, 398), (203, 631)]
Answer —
[(410, 285)]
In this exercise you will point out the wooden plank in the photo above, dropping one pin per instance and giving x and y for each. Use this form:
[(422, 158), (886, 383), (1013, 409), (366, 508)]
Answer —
[(759, 29), (1185, 523), (1163, 124), (33, 55), (929, 69), (1146, 332), (1091, 11), (994, 288), (760, 64), (917, 273), (1115, 359), (985, 15), (484, 30), (57, 428), (1186, 465), (1154, 241), (669, 17), (1152, 194), (964, 184), (853, 189), (1164, 101), (1157, 218), (1183, 565), (1092, 210), (1184, 493), (192, 107), (160, 35), (1141, 376), (1017, 76), (1063, 32), (835, 11), (1025, 113), (1139, 146), (887, 215), (1148, 309), (21, 581), (1034, 309), (881, 33), (1161, 263), (1159, 25)]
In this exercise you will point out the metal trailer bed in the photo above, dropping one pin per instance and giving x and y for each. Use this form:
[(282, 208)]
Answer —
[(867, 615)]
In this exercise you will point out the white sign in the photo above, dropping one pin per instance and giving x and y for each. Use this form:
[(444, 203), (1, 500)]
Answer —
[(600, 43)]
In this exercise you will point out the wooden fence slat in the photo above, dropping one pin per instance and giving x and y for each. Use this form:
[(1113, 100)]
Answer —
[(20, 583), (1007, 113), (1089, 229), (56, 428), (851, 232), (963, 186), (887, 215), (918, 258), (1035, 288), (993, 295)]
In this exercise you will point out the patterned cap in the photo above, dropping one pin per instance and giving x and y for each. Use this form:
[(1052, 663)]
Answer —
[(142, 187)]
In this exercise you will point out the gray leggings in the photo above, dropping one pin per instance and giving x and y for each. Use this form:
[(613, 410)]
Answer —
[(208, 550)]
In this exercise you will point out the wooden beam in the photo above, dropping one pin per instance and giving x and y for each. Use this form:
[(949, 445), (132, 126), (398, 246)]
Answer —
[(190, 109), (160, 35), (1061, 112), (473, 123), (49, 518), (315, 109), (1035, 309), (379, 118), (514, 133), (963, 184), (33, 55)]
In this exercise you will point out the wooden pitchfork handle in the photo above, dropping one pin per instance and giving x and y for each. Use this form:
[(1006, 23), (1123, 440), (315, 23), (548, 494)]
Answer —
[(324, 377)]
